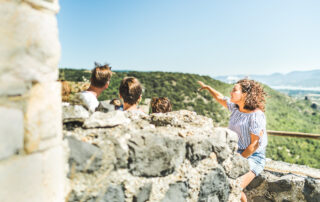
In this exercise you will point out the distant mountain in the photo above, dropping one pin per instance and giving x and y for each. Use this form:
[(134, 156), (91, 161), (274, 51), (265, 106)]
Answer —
[(298, 79)]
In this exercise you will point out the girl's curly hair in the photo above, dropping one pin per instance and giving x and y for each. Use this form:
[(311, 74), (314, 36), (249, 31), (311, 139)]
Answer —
[(255, 98)]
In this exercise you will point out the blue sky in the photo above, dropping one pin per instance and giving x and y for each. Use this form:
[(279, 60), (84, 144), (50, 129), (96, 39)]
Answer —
[(207, 37)]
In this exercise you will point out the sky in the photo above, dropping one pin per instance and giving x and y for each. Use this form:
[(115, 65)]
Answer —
[(206, 37)]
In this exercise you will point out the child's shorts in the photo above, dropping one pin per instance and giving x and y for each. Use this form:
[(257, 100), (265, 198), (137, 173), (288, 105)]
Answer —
[(257, 161)]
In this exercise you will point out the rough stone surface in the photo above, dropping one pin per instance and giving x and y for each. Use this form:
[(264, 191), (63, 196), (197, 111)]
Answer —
[(34, 178), (51, 5), (181, 119), (256, 182), (214, 187), (31, 55), (236, 166), (74, 113), (11, 134), (198, 149), (284, 185), (30, 104), (153, 154), (261, 199), (43, 115), (144, 193), (143, 152), (223, 145), (180, 157), (284, 167), (312, 190), (177, 192), (84, 156), (114, 194), (102, 120), (280, 185)]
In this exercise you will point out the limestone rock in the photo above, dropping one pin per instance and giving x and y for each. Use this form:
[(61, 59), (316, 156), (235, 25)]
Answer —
[(280, 185), (283, 186), (175, 157), (214, 187), (311, 190), (11, 135), (103, 120), (198, 149), (153, 154), (236, 166), (177, 192), (144, 193), (114, 194), (74, 113), (30, 48), (84, 156), (262, 199), (42, 119), (256, 182), (35, 177), (181, 119)]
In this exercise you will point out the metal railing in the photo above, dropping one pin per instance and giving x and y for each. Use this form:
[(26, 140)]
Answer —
[(293, 134)]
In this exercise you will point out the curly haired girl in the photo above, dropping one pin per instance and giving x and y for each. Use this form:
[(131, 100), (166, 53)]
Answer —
[(247, 119)]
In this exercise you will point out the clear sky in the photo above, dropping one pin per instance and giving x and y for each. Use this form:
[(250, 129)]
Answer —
[(208, 37)]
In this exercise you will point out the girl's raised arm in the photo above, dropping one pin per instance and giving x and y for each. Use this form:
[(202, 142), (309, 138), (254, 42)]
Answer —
[(216, 94)]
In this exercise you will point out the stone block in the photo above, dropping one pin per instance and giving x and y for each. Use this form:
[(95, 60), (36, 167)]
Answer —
[(152, 154), (43, 115), (84, 156), (11, 132), (261, 199), (181, 119), (214, 187), (280, 185), (34, 178), (105, 120), (236, 166), (144, 193), (311, 190), (198, 148), (30, 48), (51, 5), (177, 192), (74, 113), (114, 193), (256, 182)]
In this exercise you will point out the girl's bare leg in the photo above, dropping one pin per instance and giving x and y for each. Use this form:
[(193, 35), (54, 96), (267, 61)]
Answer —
[(246, 179)]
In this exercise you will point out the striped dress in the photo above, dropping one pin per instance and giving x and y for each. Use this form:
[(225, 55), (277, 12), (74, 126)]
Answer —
[(245, 124)]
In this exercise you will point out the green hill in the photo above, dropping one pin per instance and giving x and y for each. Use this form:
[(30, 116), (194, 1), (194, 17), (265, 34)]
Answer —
[(283, 113)]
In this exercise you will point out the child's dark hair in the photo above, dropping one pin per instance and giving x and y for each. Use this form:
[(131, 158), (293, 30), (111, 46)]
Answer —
[(116, 102), (161, 105), (130, 90)]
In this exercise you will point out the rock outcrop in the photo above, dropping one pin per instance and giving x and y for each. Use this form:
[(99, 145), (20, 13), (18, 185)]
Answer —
[(32, 161), (177, 156), (282, 181)]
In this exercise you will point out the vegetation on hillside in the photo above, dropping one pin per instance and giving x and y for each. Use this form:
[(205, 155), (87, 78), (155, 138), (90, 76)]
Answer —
[(283, 113)]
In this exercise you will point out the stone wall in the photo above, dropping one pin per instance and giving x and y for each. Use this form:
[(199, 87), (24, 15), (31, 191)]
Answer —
[(112, 156), (284, 182), (178, 156), (32, 162)]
